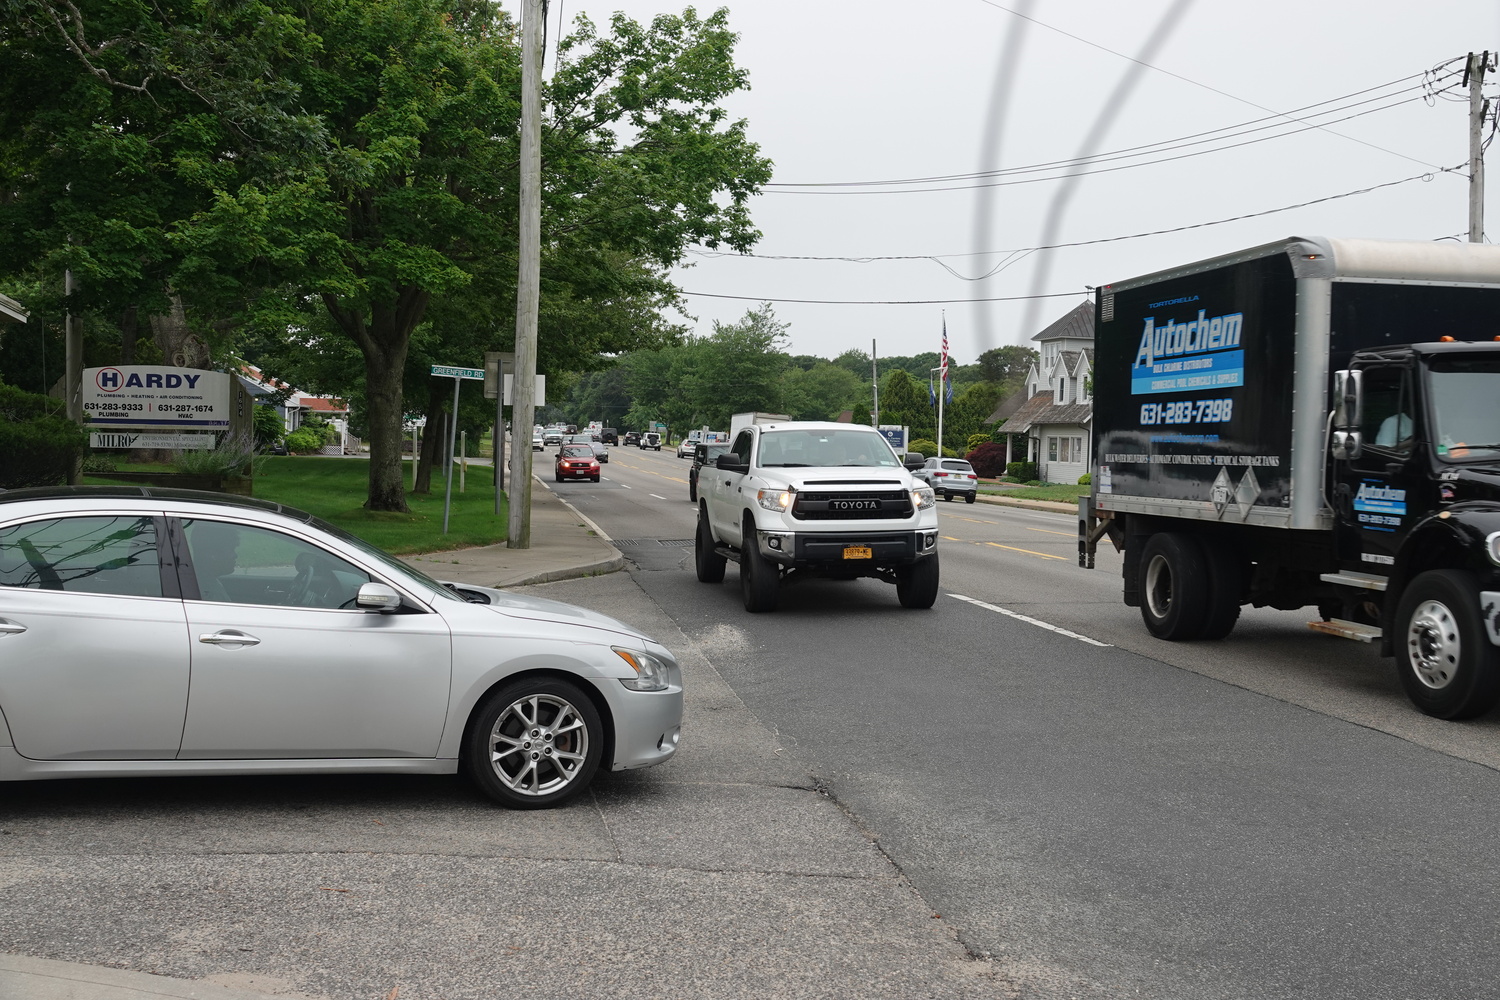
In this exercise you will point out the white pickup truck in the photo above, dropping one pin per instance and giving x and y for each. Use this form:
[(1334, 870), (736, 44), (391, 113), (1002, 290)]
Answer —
[(804, 498)]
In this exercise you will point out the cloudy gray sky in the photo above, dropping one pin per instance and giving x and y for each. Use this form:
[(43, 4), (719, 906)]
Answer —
[(875, 90)]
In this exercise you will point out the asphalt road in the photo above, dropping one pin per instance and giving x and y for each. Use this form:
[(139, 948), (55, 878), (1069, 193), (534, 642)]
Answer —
[(1103, 813)]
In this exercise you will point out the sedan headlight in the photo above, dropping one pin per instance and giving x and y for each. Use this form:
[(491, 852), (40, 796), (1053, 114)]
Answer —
[(650, 671), (923, 497), (779, 500)]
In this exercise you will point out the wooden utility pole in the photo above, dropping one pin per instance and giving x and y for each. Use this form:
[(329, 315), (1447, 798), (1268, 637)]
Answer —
[(528, 285), (874, 389), (72, 370), (1475, 74)]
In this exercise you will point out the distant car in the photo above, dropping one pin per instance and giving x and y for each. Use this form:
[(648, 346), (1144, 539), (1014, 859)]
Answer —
[(650, 441), (151, 632), (278, 448), (703, 454), (538, 441), (610, 435), (632, 439), (601, 450), (551, 438), (685, 447), (576, 461), (949, 478)]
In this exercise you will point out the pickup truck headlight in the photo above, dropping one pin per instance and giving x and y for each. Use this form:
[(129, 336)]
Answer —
[(778, 500), (1492, 547), (923, 497), (650, 672)]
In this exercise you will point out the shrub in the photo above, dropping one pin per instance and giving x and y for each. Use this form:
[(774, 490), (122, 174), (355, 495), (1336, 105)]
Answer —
[(975, 440), (923, 445), (1086, 479), (267, 426), (1024, 471), (39, 443), (305, 441), (231, 455), (1036, 482), (988, 459)]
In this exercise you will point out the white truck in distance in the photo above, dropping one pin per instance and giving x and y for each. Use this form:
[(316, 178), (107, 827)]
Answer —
[(801, 499)]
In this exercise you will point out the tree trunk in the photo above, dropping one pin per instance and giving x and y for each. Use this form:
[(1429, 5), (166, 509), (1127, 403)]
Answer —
[(129, 325), (384, 339), (180, 346)]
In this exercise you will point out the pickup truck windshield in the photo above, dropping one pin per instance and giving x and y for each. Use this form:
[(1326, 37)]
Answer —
[(1466, 421), (794, 448)]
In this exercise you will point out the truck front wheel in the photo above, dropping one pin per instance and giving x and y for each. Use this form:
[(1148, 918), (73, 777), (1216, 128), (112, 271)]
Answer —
[(760, 581), (917, 584), (1448, 666), (710, 564), (1174, 586)]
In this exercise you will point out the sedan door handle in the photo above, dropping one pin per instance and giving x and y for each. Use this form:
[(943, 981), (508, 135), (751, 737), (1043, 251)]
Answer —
[(11, 628), (229, 638)]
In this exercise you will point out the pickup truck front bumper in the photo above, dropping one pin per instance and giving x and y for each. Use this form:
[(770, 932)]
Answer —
[(828, 548)]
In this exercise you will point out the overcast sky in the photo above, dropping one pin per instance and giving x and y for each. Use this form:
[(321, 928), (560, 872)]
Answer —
[(875, 90)]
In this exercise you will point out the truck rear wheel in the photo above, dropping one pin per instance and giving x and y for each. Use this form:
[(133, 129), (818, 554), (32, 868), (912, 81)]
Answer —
[(710, 564), (1174, 586), (760, 581), (1226, 582), (1448, 666), (917, 584)]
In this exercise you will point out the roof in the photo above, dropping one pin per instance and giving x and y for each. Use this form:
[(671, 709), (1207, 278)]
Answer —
[(1040, 410), (1078, 322), (1007, 408), (13, 310), (322, 404)]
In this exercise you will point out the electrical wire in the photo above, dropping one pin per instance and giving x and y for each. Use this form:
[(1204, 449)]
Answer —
[(1185, 79), (936, 258), (878, 302), (1195, 138)]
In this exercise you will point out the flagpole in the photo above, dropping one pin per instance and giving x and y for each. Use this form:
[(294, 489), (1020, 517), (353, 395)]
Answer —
[(942, 384)]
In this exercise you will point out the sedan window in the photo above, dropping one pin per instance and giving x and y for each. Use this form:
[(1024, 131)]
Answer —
[(244, 564), (97, 555)]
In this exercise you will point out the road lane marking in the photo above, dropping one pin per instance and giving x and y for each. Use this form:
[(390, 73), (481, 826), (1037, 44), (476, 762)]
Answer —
[(655, 495), (1070, 534), (622, 485), (1028, 620), (1042, 555)]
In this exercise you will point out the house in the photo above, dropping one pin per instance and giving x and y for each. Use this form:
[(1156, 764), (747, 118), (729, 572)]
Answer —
[(1057, 414), (296, 406)]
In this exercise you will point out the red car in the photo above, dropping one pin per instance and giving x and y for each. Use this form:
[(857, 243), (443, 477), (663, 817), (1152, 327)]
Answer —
[(577, 461)]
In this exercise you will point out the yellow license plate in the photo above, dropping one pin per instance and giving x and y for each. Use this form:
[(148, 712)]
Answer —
[(858, 552)]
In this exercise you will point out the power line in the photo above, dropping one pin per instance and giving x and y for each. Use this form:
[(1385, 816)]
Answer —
[(877, 302), (1195, 83), (1195, 138), (1083, 243)]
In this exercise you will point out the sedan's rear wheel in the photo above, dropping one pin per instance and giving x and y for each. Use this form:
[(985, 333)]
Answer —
[(534, 743)]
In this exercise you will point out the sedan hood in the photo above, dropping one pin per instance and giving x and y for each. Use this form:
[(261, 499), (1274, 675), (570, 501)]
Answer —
[(540, 609)]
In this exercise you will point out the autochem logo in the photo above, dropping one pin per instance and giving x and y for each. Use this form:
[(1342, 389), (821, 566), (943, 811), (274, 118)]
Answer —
[(1202, 353)]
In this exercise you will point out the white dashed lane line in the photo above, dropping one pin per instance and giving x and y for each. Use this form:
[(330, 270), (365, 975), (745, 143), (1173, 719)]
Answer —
[(1028, 619), (656, 495)]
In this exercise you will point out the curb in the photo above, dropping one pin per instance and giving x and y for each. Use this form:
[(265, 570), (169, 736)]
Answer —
[(572, 572), (1052, 505)]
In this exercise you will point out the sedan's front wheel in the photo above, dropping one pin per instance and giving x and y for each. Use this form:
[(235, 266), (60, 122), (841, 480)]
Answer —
[(534, 744)]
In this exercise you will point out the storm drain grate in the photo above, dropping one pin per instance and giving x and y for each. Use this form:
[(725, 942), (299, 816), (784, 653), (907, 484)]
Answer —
[(675, 542), (635, 543)]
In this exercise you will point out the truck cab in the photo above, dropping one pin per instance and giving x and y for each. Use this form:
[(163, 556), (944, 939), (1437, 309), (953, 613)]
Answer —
[(801, 498)]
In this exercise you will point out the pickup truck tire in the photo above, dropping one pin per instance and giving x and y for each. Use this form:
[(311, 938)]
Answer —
[(1174, 586), (1448, 666), (917, 584), (710, 564), (1226, 582), (760, 581)]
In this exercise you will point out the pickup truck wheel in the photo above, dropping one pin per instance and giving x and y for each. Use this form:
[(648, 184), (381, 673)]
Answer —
[(693, 492), (1448, 666), (1226, 582), (917, 584), (710, 564), (1174, 586), (760, 582)]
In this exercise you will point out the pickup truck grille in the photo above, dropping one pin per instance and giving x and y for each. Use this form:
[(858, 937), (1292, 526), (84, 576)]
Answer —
[(852, 505)]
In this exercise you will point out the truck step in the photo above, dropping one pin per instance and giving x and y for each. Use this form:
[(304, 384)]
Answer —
[(1347, 630), (1349, 578)]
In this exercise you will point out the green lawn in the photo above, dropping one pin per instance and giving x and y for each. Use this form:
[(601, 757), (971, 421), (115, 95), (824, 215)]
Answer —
[(1063, 494), (335, 490)]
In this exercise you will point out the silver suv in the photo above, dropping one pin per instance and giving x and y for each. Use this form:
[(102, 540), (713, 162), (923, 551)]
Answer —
[(949, 478)]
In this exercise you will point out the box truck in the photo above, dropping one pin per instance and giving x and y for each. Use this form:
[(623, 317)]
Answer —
[(1314, 422)]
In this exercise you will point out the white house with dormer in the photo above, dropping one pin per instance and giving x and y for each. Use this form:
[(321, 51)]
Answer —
[(1057, 415)]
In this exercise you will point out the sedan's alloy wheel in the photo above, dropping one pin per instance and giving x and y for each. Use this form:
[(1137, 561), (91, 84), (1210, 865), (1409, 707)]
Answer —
[(538, 745)]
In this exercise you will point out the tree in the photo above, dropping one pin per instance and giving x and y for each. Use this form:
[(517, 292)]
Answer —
[(1007, 366)]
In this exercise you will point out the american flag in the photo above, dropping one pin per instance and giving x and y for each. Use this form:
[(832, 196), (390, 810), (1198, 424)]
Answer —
[(943, 364)]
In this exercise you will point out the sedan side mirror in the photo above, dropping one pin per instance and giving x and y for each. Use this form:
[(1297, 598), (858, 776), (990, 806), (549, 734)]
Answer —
[(377, 597)]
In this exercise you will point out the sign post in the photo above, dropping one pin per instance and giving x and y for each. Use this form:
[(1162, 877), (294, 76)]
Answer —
[(494, 378), (457, 375)]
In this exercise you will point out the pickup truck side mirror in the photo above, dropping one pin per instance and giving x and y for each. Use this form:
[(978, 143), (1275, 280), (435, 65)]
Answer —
[(1348, 409), (730, 463)]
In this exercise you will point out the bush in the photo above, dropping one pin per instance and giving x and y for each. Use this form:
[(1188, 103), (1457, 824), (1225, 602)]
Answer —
[(267, 425), (923, 445), (39, 443), (1036, 482), (1086, 479), (1024, 471), (975, 440), (305, 441), (988, 459), (230, 456)]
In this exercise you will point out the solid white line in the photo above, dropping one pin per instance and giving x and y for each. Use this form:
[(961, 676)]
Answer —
[(654, 495), (1029, 620)]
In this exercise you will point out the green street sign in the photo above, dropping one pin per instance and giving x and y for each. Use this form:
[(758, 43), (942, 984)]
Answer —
[(449, 371)]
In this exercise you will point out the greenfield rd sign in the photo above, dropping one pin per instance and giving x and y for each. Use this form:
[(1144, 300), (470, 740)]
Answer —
[(450, 371)]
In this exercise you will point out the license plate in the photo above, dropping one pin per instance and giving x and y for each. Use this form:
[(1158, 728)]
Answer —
[(858, 552)]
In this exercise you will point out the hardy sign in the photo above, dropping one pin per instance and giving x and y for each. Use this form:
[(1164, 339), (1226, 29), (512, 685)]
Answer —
[(157, 397)]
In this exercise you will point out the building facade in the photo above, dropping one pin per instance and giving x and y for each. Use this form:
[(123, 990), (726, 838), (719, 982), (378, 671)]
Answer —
[(1057, 415)]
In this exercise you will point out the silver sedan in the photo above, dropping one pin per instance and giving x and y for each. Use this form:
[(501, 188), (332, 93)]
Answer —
[(154, 632)]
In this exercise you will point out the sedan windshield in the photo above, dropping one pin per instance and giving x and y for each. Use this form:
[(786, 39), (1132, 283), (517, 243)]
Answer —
[(1466, 421), (825, 448)]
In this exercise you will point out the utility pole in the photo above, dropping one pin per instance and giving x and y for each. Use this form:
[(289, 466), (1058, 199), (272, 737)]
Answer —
[(528, 284), (874, 389), (1474, 77), (72, 369)]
